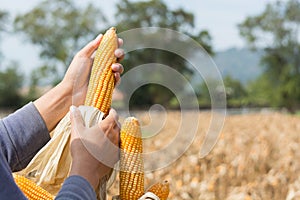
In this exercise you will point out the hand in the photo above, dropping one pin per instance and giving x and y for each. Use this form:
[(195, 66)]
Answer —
[(54, 105), (94, 150), (77, 76)]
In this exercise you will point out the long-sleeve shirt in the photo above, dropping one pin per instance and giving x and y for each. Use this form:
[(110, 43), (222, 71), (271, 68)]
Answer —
[(22, 135)]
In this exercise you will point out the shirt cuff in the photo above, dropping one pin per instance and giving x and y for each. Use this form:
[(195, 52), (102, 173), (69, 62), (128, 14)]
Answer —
[(76, 188)]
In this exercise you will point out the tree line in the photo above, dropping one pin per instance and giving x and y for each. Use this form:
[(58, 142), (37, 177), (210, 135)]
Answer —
[(61, 27)]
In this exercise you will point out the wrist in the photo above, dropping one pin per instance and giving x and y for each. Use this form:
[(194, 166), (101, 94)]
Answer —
[(92, 176), (54, 105), (75, 90), (65, 86)]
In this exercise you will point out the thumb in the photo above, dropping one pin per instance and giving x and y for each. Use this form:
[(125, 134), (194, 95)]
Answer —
[(88, 50), (77, 122)]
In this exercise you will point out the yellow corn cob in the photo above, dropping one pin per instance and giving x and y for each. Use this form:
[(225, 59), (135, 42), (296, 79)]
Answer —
[(102, 80), (31, 190), (131, 161), (161, 190)]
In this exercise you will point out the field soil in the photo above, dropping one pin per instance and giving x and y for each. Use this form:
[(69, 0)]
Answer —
[(257, 156)]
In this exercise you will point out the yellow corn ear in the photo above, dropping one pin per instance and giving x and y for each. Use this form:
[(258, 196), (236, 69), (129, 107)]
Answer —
[(131, 160), (31, 190), (102, 80), (161, 190)]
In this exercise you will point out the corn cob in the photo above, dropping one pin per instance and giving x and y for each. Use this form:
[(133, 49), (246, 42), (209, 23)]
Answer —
[(131, 161), (31, 190), (161, 190), (102, 80)]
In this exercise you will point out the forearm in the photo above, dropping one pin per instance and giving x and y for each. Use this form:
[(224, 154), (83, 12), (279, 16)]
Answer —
[(54, 105)]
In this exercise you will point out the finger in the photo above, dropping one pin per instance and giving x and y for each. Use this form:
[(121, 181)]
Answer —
[(117, 135), (110, 120), (117, 68), (112, 116), (89, 49), (77, 122), (120, 42), (113, 113), (119, 53), (117, 126), (93, 55), (117, 78)]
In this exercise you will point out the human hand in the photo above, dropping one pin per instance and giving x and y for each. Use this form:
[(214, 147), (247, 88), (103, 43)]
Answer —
[(77, 76), (94, 150)]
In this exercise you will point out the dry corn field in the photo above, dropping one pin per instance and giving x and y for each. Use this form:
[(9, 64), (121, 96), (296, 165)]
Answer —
[(257, 156)]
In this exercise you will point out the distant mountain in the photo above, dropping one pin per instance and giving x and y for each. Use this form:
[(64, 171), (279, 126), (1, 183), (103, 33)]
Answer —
[(241, 64)]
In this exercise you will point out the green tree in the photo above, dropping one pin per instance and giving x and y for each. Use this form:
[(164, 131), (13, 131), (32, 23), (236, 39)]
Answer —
[(276, 30), (204, 98), (59, 28), (155, 13), (236, 94), (11, 81), (261, 93), (35, 81)]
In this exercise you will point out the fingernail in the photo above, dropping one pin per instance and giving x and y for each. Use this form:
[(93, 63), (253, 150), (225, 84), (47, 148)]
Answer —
[(121, 42), (115, 67), (72, 109), (118, 52), (98, 37)]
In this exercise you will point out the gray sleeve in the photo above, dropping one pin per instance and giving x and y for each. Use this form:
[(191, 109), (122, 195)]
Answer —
[(23, 133), (8, 187), (76, 188)]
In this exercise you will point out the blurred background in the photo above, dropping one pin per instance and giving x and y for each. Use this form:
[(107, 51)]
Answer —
[(254, 44)]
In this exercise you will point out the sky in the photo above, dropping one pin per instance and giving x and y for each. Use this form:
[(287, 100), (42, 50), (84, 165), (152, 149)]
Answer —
[(219, 17)]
